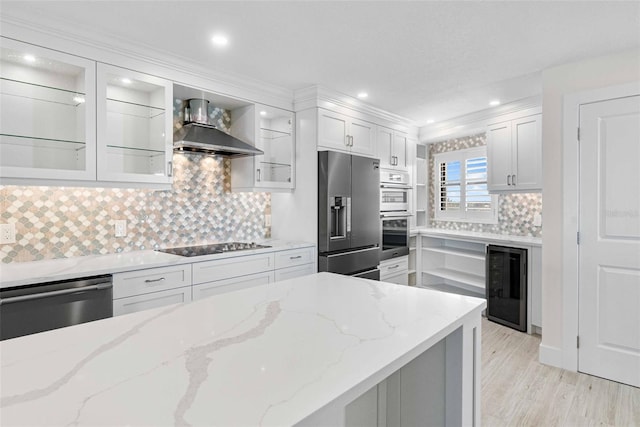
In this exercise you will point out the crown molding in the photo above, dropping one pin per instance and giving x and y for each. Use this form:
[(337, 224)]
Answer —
[(58, 35), (477, 121), (321, 97)]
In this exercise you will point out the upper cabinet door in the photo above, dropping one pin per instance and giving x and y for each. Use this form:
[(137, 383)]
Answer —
[(363, 137), (527, 153), (499, 156), (272, 130), (332, 130), (47, 114), (135, 139), (275, 169), (385, 147), (400, 142)]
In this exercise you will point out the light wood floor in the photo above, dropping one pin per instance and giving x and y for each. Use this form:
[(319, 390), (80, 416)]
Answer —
[(519, 391)]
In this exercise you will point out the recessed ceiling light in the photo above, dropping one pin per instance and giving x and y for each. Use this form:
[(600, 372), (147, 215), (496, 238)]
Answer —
[(29, 58), (495, 102), (429, 121), (363, 95), (219, 40), (263, 113), (125, 80)]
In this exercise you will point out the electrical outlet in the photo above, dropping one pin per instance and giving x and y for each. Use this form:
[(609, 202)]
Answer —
[(267, 220), (7, 233), (537, 220), (121, 227)]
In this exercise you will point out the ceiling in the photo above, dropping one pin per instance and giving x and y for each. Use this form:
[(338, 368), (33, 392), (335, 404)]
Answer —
[(419, 59)]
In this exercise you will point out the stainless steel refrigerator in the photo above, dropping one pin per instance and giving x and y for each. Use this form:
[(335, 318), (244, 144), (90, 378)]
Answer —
[(348, 214)]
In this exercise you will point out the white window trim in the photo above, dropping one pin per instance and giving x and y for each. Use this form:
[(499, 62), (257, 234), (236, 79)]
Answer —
[(461, 215)]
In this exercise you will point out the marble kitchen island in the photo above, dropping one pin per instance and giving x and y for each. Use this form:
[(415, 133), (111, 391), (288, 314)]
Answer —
[(322, 349)]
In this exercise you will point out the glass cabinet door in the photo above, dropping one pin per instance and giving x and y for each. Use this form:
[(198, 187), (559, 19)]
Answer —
[(47, 114), (275, 169), (135, 143)]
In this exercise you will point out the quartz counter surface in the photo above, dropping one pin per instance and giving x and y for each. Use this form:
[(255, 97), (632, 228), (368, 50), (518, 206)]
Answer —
[(479, 236), (268, 355), (32, 272)]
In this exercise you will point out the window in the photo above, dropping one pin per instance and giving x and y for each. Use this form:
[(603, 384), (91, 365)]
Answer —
[(461, 187)]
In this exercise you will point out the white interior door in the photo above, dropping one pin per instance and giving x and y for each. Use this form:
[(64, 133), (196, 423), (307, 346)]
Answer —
[(609, 251)]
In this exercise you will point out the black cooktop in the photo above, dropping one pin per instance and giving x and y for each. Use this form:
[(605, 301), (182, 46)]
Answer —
[(216, 248)]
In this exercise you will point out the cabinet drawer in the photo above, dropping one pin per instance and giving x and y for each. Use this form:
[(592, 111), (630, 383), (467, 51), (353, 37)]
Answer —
[(398, 279), (150, 280), (393, 267), (204, 290), (152, 300), (297, 271), (210, 271), (294, 257)]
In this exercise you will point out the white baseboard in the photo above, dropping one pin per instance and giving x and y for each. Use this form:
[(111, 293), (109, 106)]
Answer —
[(550, 356)]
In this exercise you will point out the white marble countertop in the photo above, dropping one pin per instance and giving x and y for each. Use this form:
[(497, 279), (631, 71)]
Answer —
[(268, 355), (24, 273), (479, 236)]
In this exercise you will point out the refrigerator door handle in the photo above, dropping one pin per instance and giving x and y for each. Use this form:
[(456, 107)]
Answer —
[(348, 215)]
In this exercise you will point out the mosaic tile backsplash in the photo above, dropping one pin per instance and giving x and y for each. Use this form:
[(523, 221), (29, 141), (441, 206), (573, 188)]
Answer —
[(56, 222), (515, 213)]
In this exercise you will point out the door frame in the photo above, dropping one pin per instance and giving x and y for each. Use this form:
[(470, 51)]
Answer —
[(571, 208)]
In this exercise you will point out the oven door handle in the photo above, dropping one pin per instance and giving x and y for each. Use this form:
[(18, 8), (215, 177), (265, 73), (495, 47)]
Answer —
[(395, 215), (30, 297), (395, 186)]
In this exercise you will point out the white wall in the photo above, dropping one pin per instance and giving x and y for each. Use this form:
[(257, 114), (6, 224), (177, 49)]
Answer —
[(610, 70)]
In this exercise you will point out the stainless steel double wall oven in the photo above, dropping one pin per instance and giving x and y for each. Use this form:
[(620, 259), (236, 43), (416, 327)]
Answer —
[(394, 213)]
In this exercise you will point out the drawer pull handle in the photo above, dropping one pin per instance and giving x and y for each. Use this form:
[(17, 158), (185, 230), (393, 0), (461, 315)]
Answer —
[(154, 280), (393, 267), (295, 257)]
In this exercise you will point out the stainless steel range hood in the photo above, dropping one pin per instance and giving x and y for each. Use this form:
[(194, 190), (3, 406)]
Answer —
[(199, 137)]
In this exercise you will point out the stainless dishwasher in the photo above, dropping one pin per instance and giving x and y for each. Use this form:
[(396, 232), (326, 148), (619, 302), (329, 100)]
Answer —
[(41, 307)]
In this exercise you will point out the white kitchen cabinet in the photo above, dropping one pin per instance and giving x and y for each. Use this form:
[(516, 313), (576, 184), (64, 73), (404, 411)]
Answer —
[(292, 272), (151, 288), (203, 290), (343, 133), (47, 114), (226, 268), (514, 155), (294, 257), (395, 270), (153, 300), (272, 130), (149, 280), (134, 126), (392, 148)]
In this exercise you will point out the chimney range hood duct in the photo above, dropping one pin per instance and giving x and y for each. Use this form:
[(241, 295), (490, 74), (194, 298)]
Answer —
[(200, 137)]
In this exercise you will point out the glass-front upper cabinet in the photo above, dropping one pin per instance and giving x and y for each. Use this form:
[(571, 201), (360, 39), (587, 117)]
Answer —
[(275, 167), (272, 129), (135, 140), (47, 114)]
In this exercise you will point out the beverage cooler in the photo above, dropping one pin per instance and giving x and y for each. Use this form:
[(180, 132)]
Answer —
[(507, 286)]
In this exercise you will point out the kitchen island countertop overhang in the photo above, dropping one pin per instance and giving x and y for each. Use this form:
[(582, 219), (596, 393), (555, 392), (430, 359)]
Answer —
[(278, 354)]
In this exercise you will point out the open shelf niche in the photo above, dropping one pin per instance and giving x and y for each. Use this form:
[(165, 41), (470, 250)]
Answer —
[(453, 265)]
